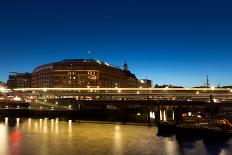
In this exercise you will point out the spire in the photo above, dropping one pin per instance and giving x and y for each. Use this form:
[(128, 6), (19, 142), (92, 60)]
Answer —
[(90, 53), (125, 66)]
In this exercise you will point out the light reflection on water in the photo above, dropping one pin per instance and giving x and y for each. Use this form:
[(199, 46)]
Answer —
[(55, 137), (3, 139)]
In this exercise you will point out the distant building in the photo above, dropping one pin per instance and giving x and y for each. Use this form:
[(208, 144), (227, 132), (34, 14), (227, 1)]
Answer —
[(145, 83), (202, 87), (19, 80), (82, 73), (227, 87), (167, 86)]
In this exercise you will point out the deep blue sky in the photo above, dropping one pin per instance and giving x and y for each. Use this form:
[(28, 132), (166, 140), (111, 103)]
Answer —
[(171, 42)]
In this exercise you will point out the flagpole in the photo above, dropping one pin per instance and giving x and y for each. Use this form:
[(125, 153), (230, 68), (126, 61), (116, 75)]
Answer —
[(89, 54)]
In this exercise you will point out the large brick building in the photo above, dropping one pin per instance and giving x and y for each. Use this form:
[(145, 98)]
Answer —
[(19, 80), (82, 73)]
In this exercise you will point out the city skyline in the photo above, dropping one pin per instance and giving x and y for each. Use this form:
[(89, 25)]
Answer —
[(167, 42)]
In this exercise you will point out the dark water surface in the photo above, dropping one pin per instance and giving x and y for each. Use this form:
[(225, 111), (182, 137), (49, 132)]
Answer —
[(26, 136)]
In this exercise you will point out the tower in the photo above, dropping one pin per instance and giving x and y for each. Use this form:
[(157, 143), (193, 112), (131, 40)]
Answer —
[(207, 84), (125, 66)]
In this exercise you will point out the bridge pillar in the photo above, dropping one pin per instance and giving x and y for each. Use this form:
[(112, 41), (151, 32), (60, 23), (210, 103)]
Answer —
[(158, 118), (148, 115)]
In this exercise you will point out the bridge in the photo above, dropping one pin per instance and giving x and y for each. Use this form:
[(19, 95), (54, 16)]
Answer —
[(68, 97), (114, 103), (218, 94)]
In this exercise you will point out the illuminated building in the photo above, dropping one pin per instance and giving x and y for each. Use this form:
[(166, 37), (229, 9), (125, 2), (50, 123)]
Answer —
[(82, 73), (145, 83), (19, 80), (8, 95)]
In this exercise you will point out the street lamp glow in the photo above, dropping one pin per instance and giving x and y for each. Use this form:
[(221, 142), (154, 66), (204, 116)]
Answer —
[(16, 98)]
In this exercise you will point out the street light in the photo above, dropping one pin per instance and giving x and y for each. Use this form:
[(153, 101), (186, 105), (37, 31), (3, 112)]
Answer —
[(212, 87)]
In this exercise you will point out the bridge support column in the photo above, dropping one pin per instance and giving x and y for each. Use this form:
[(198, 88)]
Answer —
[(148, 115), (158, 118)]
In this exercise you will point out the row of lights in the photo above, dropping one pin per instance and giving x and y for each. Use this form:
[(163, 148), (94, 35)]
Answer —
[(8, 107), (119, 91), (53, 107)]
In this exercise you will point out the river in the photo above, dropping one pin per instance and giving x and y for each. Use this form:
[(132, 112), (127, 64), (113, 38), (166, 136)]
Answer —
[(28, 136)]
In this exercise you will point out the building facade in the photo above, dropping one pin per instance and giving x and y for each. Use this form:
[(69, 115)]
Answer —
[(145, 83), (19, 80), (82, 73)]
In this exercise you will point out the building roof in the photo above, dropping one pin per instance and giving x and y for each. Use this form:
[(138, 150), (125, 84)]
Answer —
[(75, 60), (90, 60), (129, 74), (20, 74), (44, 66), (50, 65)]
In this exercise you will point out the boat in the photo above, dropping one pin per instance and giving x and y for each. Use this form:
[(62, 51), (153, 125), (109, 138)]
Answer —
[(219, 129), (204, 128), (193, 129)]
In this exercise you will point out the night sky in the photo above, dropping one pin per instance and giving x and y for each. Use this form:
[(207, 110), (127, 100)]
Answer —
[(169, 41)]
